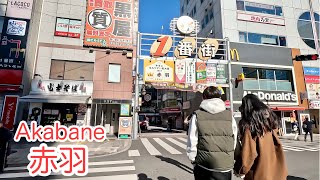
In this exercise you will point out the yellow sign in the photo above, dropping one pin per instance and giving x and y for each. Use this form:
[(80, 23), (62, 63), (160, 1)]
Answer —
[(234, 54), (158, 71)]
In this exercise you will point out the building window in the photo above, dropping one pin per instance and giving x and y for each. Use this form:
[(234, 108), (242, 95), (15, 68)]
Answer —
[(267, 79), (114, 73), (68, 28), (259, 8), (182, 9), (70, 70), (262, 39), (207, 18), (305, 28), (1, 25), (202, 1), (188, 2)]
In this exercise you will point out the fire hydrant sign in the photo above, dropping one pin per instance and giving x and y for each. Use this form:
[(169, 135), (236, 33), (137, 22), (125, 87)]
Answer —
[(158, 71)]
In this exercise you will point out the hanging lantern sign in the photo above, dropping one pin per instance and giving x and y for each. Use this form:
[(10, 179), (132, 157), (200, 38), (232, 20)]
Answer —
[(185, 48), (161, 46), (208, 49)]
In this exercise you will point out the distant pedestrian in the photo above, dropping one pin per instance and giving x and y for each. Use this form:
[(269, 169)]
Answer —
[(187, 122), (212, 138), (261, 155), (5, 138), (295, 128), (307, 127), (170, 121)]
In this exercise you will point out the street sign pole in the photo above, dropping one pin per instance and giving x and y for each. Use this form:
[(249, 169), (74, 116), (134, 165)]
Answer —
[(136, 91)]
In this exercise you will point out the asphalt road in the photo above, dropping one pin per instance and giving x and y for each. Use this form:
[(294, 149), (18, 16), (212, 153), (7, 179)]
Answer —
[(164, 158)]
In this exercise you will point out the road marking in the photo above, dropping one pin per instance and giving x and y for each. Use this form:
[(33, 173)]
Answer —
[(302, 148), (116, 177), (167, 146), (133, 153), (110, 162), (91, 170), (177, 143), (150, 148), (292, 149), (183, 139)]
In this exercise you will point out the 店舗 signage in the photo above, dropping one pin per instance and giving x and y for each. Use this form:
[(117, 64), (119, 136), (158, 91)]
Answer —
[(68, 28), (62, 87), (272, 96), (13, 44), (109, 24), (19, 9), (261, 19), (158, 71)]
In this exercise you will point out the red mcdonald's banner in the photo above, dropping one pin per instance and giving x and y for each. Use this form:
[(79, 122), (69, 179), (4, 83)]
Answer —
[(9, 111), (109, 24)]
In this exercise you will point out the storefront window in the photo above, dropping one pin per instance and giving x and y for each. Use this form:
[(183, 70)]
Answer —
[(69, 70)]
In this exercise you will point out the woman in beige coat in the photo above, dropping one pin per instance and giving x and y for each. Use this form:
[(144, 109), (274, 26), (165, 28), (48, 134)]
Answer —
[(261, 155)]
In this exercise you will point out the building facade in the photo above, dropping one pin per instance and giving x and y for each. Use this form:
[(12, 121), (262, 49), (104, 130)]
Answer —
[(78, 76), (263, 34)]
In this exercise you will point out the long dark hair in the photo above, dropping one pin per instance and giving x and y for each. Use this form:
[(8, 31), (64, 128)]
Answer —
[(256, 116)]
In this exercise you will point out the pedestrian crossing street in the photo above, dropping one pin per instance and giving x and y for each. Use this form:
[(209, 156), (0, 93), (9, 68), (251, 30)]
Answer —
[(111, 170), (177, 146)]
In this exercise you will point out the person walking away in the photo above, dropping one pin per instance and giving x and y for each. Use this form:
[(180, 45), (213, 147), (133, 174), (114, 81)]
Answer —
[(187, 122), (295, 129), (261, 156), (5, 138), (307, 127), (212, 138)]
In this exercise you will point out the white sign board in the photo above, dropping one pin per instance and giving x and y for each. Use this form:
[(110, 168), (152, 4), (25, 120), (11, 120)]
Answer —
[(19, 9), (261, 19), (16, 27), (190, 72)]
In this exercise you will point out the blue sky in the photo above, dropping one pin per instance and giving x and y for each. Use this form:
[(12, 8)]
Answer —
[(155, 13)]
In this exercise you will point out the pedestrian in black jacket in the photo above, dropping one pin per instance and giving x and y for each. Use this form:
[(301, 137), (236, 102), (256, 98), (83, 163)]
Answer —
[(5, 138), (307, 127)]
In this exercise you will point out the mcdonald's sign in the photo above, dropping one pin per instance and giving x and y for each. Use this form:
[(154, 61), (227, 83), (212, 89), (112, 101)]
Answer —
[(234, 54)]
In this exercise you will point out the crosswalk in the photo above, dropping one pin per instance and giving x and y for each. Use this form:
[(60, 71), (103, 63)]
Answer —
[(178, 145), (111, 170)]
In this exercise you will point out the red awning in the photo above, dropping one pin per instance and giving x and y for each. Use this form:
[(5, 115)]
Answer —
[(288, 108)]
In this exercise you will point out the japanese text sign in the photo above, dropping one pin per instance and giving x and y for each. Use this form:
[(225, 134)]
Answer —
[(125, 127), (19, 9), (109, 24), (180, 71), (158, 71), (68, 28)]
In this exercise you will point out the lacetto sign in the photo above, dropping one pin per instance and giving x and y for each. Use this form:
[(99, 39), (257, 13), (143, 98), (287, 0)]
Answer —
[(261, 19)]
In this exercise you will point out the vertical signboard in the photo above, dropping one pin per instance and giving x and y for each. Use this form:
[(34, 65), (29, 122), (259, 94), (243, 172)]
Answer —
[(109, 24), (190, 72), (9, 111), (201, 73), (19, 9), (221, 73), (125, 127), (125, 110), (211, 73), (180, 71), (13, 50)]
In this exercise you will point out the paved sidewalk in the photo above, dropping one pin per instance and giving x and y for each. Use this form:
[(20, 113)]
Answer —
[(96, 149)]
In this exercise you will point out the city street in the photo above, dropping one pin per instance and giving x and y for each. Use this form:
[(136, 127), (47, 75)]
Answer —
[(160, 157)]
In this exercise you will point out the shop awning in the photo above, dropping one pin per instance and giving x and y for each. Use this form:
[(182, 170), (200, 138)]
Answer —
[(288, 108), (72, 99)]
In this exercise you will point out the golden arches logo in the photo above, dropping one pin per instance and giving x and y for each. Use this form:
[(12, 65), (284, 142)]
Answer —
[(234, 54)]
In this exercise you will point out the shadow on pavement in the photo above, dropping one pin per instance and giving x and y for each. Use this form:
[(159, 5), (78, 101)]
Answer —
[(162, 178), (176, 163), (295, 178)]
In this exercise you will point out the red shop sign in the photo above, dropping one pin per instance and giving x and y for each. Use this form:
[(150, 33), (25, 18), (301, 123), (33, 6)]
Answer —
[(9, 111)]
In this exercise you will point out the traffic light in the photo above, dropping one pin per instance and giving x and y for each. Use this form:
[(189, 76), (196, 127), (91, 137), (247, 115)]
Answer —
[(308, 57)]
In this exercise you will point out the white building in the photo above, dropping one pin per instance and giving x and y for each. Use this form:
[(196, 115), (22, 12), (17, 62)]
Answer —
[(276, 22)]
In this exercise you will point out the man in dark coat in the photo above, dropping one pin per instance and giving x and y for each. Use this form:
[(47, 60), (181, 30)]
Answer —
[(5, 138), (307, 127)]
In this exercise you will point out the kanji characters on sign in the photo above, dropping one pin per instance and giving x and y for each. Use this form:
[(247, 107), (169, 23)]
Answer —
[(44, 160)]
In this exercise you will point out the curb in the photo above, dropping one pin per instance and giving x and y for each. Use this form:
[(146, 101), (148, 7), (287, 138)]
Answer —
[(118, 152)]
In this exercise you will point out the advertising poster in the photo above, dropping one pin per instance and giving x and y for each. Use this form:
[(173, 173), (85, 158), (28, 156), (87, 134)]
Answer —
[(158, 71), (62, 27), (74, 28), (201, 73), (16, 27), (313, 91), (9, 111), (221, 74), (125, 127), (190, 72), (125, 110), (211, 73), (180, 71), (109, 24)]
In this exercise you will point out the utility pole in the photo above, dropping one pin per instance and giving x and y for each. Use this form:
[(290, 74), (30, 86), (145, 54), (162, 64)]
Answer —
[(314, 29), (136, 91)]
